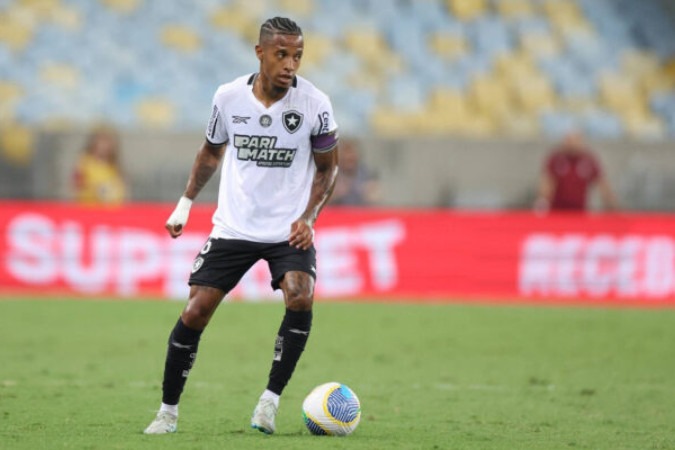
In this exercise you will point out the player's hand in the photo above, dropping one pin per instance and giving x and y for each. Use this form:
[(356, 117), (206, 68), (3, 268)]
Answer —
[(179, 217), (302, 234)]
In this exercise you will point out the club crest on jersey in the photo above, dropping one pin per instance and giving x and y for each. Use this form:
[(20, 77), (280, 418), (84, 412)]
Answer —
[(292, 120)]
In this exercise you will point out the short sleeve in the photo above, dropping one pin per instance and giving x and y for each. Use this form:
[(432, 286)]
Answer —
[(216, 133), (324, 129)]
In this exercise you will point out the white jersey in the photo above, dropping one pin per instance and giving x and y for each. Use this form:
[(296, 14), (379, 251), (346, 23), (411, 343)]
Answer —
[(268, 166)]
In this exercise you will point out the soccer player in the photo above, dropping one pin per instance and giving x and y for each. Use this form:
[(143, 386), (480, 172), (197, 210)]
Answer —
[(277, 137), (568, 174)]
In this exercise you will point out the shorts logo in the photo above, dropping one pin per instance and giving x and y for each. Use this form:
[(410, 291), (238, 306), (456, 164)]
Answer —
[(199, 262), (206, 247), (292, 120), (265, 120)]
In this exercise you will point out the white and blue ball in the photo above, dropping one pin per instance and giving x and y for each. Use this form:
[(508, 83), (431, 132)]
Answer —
[(331, 409)]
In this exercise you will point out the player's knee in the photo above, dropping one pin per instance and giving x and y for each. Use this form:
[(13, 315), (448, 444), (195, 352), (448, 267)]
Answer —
[(196, 315), (298, 290), (298, 299)]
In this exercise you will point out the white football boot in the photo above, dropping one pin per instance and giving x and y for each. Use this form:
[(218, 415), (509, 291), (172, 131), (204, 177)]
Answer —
[(263, 416), (164, 423)]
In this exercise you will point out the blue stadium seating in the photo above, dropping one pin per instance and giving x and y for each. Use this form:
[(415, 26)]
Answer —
[(123, 53)]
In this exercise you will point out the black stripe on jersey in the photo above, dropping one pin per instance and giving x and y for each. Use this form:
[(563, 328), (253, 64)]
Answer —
[(215, 123), (295, 82)]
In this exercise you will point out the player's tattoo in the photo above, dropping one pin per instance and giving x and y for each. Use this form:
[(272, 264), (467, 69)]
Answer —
[(322, 185), (205, 165)]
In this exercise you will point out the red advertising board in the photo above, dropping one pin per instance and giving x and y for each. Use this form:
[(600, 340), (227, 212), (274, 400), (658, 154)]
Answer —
[(384, 254)]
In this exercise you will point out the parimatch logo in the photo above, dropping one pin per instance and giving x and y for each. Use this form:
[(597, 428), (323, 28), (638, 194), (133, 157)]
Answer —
[(262, 150)]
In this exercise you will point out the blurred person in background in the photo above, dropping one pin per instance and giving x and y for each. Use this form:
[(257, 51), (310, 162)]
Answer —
[(277, 138), (98, 177), (356, 184), (569, 173)]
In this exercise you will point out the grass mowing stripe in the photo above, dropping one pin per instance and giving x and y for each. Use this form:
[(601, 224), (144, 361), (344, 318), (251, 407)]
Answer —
[(77, 374)]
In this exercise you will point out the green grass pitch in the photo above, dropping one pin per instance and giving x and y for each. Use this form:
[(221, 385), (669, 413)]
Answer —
[(87, 375)]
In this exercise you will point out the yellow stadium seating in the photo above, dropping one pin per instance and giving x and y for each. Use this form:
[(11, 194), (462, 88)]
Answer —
[(16, 30), (490, 96), (61, 75), (155, 113), (122, 6), (620, 94), (238, 19), (534, 94), (644, 125), (298, 8), (514, 8), (180, 38), (17, 143), (373, 51), (540, 44), (448, 46), (10, 96), (317, 47), (467, 9)]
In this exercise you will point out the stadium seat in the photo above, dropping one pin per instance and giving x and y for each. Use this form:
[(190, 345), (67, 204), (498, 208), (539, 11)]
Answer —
[(534, 94), (16, 29), (10, 96), (297, 8), (510, 9), (448, 46), (643, 125), (540, 44), (180, 38), (17, 143), (122, 6), (61, 75), (467, 9), (536, 55), (240, 20), (155, 113), (491, 97), (620, 94)]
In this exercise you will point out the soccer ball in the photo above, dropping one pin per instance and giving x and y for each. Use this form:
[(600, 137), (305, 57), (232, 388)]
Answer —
[(331, 409)]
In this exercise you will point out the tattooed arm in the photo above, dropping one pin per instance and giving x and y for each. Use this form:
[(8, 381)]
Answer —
[(302, 230), (206, 163)]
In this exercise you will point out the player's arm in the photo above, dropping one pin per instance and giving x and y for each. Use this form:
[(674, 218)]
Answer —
[(302, 230), (206, 163)]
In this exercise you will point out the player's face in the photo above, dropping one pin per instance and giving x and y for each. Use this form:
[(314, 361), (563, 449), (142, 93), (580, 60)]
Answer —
[(280, 58)]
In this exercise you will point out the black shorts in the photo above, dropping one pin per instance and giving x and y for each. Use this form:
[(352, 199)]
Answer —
[(223, 262)]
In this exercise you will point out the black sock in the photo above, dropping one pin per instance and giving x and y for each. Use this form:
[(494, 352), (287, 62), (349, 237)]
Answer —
[(289, 345), (180, 356)]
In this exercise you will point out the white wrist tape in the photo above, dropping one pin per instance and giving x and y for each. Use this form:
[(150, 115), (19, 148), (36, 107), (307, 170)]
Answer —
[(180, 215)]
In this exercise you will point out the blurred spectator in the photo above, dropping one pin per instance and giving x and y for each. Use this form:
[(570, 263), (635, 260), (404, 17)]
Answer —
[(98, 177), (356, 185), (568, 174)]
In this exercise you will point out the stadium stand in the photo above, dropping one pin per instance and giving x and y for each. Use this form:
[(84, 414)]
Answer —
[(478, 68)]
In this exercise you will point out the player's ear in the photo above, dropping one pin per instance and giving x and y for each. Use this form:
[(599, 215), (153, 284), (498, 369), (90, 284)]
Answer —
[(259, 52)]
